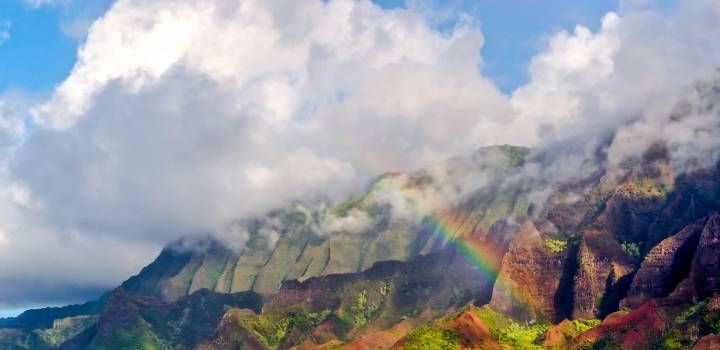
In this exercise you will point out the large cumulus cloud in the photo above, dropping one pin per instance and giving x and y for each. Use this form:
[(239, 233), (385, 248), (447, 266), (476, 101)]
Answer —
[(182, 116)]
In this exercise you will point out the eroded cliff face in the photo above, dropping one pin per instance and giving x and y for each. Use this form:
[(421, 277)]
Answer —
[(376, 307), (604, 227), (705, 272), (528, 285), (603, 272), (533, 252), (703, 279), (133, 321), (634, 330), (231, 335), (664, 266), (385, 305), (572, 256)]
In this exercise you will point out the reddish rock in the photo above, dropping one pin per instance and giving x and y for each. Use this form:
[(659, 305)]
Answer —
[(381, 340), (529, 278), (320, 337), (333, 344), (714, 303), (659, 269), (708, 342), (703, 280), (630, 331), (231, 335), (602, 265), (706, 265), (474, 333), (559, 335)]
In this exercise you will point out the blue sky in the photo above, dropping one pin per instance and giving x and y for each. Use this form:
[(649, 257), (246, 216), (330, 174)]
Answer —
[(516, 30), (43, 41)]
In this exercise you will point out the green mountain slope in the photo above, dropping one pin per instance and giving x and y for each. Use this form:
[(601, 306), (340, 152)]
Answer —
[(348, 237), (501, 248)]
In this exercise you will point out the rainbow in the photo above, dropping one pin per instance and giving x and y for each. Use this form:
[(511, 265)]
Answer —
[(475, 253)]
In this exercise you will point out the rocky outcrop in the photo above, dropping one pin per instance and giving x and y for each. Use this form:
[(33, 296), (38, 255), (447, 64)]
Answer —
[(474, 333), (708, 342), (603, 268), (632, 330), (664, 266), (372, 309), (134, 321), (381, 340), (231, 335), (704, 278), (435, 282), (706, 264), (529, 278), (559, 335)]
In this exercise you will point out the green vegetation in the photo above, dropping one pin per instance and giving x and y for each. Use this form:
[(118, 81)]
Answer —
[(604, 343), (12, 339), (296, 218), (501, 207), (65, 329), (391, 245), (270, 331), (644, 188), (631, 249), (138, 335), (710, 323), (582, 326), (652, 189), (431, 338), (508, 332), (343, 208), (515, 154), (673, 341), (522, 336), (689, 325), (361, 312), (273, 330), (691, 312), (555, 245)]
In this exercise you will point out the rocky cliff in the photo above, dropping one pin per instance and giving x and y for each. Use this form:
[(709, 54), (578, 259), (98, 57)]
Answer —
[(476, 250)]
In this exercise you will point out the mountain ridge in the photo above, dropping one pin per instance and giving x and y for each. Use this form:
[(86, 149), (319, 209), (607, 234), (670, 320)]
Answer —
[(499, 247)]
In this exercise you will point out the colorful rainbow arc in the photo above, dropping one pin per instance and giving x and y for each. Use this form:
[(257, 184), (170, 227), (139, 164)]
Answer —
[(474, 253)]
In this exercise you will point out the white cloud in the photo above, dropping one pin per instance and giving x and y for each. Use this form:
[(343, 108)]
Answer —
[(586, 85), (562, 77), (178, 113), (355, 221), (183, 116)]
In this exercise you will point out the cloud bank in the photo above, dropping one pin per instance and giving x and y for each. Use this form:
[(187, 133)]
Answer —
[(180, 117)]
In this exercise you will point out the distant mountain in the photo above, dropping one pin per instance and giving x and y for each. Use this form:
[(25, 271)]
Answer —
[(302, 241), (487, 250)]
